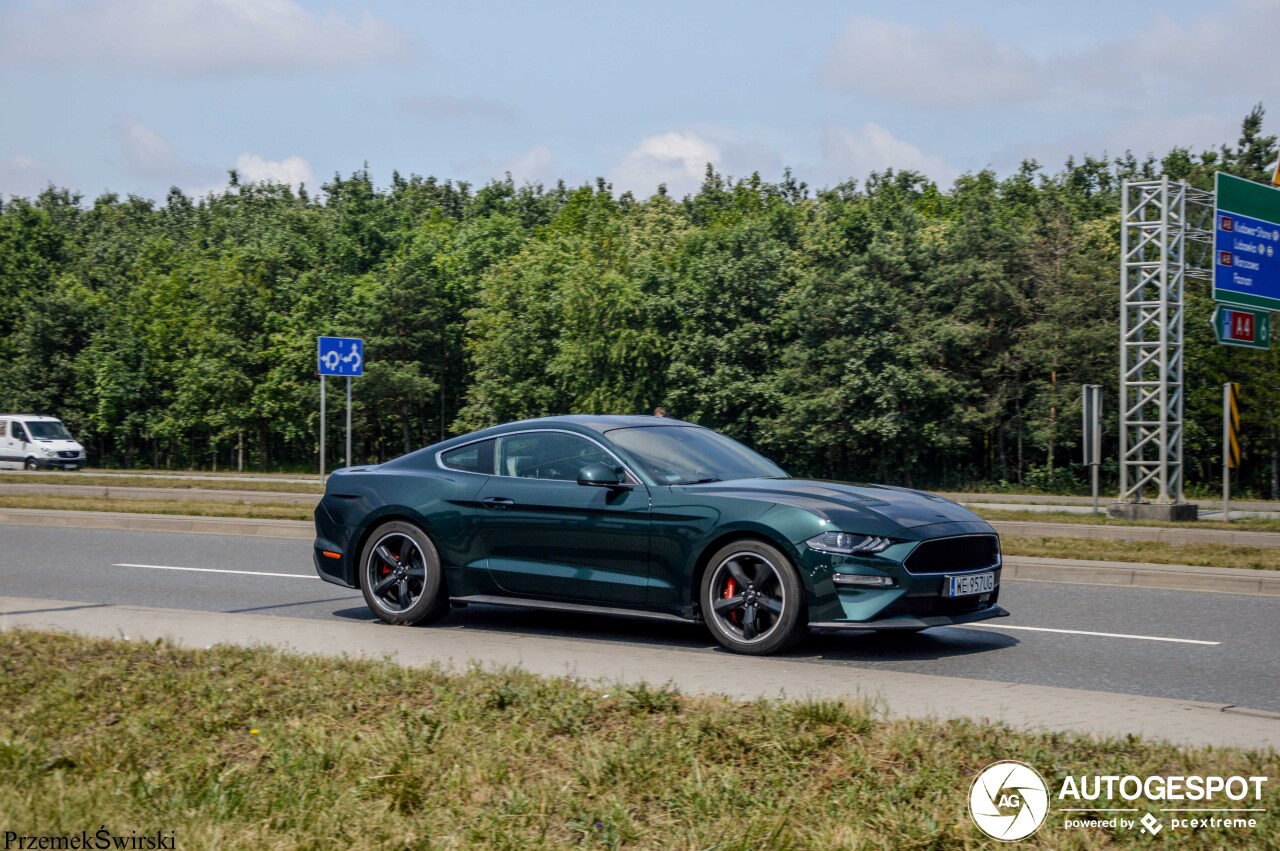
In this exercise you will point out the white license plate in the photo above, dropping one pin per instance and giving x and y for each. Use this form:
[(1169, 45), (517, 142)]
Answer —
[(971, 583)]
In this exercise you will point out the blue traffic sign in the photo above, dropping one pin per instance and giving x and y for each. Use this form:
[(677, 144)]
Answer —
[(1246, 244), (340, 356)]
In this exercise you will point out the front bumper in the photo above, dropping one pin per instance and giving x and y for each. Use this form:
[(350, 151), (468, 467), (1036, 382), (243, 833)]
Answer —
[(914, 623), (61, 463)]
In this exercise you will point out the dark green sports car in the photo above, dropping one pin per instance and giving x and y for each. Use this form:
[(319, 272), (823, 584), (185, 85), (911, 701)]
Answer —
[(652, 517)]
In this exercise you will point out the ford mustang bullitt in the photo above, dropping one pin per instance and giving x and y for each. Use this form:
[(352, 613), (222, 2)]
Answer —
[(651, 517)]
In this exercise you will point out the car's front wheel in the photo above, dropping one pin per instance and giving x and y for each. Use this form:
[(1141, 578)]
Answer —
[(752, 599), (400, 575), (31, 464)]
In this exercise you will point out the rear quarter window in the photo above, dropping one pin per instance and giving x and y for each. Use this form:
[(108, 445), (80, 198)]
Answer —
[(472, 458)]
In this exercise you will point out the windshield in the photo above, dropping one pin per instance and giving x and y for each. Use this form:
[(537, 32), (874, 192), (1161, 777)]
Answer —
[(47, 430), (681, 455)]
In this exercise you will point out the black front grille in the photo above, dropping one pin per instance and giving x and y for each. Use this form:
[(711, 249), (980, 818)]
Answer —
[(68, 453), (954, 555)]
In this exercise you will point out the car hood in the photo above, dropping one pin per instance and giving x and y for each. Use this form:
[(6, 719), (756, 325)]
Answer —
[(59, 445), (836, 501)]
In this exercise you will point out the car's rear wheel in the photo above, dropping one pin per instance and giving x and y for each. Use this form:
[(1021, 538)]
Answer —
[(752, 599), (400, 575)]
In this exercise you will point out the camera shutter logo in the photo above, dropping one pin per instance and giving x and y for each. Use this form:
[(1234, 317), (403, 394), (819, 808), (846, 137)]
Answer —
[(1009, 800)]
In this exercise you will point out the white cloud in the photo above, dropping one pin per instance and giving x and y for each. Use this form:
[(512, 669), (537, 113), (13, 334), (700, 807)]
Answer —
[(1229, 50), (856, 153), (742, 154), (954, 66), (445, 108), (147, 153), (293, 171), (27, 176), (1169, 63), (195, 35), (150, 156), (536, 165), (678, 160)]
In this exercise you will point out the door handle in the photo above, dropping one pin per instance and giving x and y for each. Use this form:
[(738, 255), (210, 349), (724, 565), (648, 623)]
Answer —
[(497, 502)]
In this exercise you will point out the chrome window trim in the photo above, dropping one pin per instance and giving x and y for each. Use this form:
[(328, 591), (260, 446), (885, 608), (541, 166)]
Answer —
[(632, 478)]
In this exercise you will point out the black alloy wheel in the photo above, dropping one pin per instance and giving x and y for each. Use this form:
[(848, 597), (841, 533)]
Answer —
[(400, 575), (752, 599)]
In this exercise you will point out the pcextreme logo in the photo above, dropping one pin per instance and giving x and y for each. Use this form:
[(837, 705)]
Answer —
[(1009, 801)]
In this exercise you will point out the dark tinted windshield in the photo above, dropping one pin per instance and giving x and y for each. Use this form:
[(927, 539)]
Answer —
[(684, 454), (47, 430)]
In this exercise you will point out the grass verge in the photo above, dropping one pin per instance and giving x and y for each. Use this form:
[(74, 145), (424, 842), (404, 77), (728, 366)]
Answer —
[(188, 507), (1245, 525), (235, 748), (1155, 552), (158, 481)]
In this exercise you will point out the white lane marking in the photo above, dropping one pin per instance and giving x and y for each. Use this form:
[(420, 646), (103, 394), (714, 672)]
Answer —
[(216, 570), (981, 625), (1099, 634)]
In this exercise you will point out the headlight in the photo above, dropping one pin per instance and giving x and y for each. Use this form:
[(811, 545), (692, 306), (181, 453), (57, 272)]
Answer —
[(847, 543), (48, 453)]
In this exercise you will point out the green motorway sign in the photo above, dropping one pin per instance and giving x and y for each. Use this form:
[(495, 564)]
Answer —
[(1240, 326)]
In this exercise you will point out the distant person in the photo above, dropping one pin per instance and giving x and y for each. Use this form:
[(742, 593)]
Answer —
[(659, 411)]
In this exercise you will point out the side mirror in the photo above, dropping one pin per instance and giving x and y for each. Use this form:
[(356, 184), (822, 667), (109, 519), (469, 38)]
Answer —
[(600, 476)]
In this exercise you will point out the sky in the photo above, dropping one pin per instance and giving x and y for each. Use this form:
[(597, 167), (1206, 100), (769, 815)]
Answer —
[(136, 96)]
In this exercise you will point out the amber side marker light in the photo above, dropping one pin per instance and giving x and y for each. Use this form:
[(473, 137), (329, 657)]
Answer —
[(331, 555)]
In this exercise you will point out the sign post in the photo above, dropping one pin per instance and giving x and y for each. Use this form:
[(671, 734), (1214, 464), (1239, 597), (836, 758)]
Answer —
[(1092, 413), (322, 415), (1230, 442), (342, 356)]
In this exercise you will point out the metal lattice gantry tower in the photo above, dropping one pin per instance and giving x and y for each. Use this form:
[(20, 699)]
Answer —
[(1160, 221)]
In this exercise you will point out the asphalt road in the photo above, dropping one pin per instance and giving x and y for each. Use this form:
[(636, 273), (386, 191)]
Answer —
[(1219, 648)]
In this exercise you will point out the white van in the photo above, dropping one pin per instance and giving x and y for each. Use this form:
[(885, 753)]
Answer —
[(37, 443)]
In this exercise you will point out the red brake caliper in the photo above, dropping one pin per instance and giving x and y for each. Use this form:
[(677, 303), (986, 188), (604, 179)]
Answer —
[(729, 588)]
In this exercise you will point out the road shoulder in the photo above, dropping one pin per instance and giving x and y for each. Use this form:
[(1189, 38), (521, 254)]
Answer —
[(1022, 706)]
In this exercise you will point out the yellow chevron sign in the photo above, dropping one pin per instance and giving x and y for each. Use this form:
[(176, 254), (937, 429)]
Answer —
[(1233, 426)]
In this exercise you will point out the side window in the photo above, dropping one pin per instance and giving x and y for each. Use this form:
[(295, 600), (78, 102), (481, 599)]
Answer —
[(4, 428), (548, 455), (18, 432), (472, 458)]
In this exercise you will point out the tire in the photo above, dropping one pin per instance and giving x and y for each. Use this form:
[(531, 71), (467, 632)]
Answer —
[(770, 615), (386, 574), (31, 464)]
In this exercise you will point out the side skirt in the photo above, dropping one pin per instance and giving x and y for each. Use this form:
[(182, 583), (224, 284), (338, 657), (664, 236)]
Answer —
[(531, 603)]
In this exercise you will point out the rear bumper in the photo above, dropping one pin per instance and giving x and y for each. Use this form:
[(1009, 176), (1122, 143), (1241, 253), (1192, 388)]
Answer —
[(330, 569), (333, 538), (912, 622)]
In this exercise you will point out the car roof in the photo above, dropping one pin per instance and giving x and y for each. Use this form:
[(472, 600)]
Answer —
[(30, 417), (599, 422), (582, 423)]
